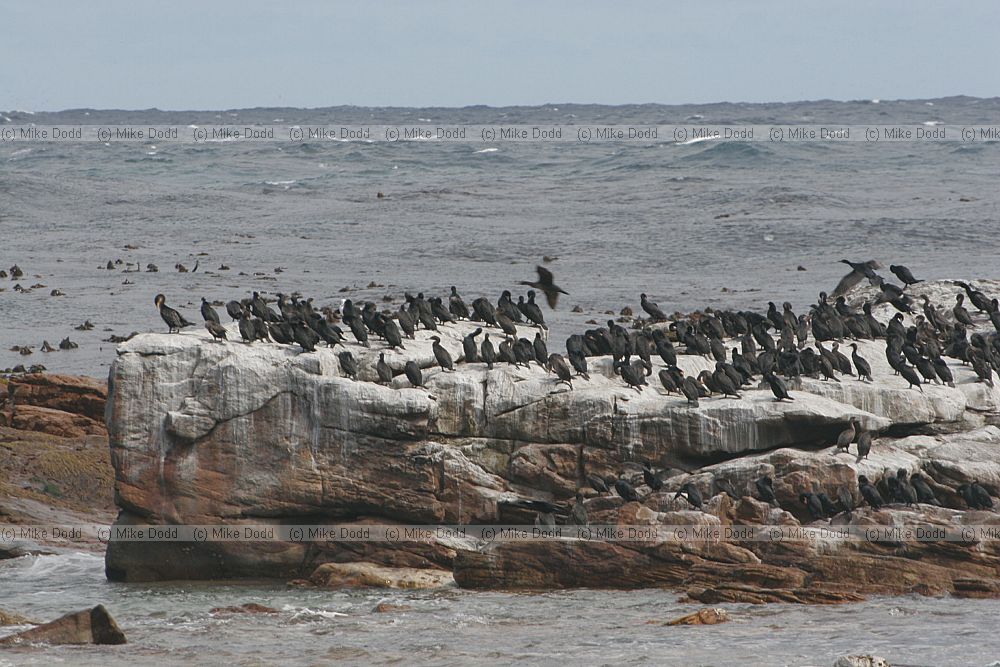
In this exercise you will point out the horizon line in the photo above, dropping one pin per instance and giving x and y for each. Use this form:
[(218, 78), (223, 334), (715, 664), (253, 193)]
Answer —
[(511, 106)]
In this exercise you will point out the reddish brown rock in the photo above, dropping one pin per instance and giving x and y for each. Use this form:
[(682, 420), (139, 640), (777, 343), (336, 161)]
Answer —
[(69, 393), (702, 617), (52, 422), (90, 626)]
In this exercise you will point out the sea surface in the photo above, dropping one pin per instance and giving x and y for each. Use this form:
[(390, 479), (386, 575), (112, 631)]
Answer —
[(710, 223), (173, 624)]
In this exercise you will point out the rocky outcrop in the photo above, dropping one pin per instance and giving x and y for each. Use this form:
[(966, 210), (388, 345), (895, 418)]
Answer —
[(65, 406), (90, 626), (205, 432)]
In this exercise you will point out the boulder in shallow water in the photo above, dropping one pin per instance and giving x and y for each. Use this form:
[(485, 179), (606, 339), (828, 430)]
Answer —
[(90, 626), (370, 575), (708, 616)]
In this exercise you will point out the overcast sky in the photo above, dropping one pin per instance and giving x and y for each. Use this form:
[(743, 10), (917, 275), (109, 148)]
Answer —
[(308, 53)]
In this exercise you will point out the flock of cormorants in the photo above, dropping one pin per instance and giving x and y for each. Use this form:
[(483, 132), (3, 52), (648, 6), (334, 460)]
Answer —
[(916, 353)]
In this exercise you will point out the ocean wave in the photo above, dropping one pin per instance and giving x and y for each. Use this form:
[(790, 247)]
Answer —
[(487, 150), (695, 140)]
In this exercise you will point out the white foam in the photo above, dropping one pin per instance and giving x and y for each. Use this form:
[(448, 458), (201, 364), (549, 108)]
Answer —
[(424, 120), (876, 101), (280, 182), (488, 150), (22, 151), (193, 127), (306, 611), (696, 140), (932, 122)]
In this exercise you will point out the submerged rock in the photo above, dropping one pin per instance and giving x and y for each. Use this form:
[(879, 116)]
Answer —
[(702, 617)]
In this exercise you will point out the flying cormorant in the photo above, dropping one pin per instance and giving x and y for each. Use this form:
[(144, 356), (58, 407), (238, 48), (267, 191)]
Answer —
[(546, 285)]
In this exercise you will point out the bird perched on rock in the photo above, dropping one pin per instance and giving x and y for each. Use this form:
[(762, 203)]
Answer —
[(175, 321), (778, 387), (217, 330), (442, 355), (469, 347), (925, 494), (813, 505), (578, 513), (846, 436), (870, 493), (650, 478), (765, 490), (861, 364), (691, 493), (864, 444), (652, 309), (348, 365), (383, 369), (562, 370), (597, 483), (626, 490), (207, 312), (413, 374), (904, 275)]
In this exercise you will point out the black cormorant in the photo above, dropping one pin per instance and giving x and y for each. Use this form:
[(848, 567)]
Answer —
[(175, 321), (546, 285), (348, 365), (442, 355)]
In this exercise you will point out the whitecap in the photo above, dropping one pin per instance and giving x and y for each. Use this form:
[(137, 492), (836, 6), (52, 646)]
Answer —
[(876, 101), (306, 611), (488, 150), (695, 140), (768, 237), (193, 127), (932, 122), (424, 120), (22, 151), (150, 152)]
